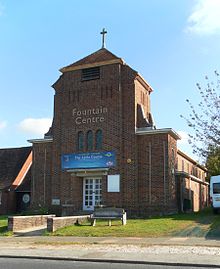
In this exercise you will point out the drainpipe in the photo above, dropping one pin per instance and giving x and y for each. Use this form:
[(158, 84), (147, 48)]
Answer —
[(45, 158), (181, 194), (150, 167)]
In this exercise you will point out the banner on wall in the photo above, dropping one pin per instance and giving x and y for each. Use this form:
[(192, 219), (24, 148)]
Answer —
[(104, 159)]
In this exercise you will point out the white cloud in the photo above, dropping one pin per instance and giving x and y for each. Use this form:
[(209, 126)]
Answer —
[(184, 138), (205, 18), (35, 126), (3, 124)]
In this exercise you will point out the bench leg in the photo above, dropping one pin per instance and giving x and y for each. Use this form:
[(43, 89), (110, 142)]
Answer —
[(93, 222), (124, 219), (109, 222)]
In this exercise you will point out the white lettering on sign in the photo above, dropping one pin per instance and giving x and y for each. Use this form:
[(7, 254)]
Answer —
[(92, 115)]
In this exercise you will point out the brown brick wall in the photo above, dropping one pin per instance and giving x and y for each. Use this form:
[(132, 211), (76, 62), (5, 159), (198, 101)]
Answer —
[(8, 202), (142, 104), (115, 86), (58, 222), (41, 176), (190, 167), (156, 182), (193, 190), (19, 223)]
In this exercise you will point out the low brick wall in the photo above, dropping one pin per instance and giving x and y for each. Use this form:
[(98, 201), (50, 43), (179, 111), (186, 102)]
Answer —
[(19, 223), (55, 223)]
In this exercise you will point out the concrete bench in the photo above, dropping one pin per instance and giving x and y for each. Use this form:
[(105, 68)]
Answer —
[(108, 213)]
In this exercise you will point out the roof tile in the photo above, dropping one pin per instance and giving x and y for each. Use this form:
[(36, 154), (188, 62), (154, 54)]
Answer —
[(101, 55), (11, 162)]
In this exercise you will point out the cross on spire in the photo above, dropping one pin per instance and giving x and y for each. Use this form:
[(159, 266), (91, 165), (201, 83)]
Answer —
[(103, 37)]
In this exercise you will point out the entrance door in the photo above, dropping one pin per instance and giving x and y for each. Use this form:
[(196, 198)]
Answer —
[(92, 193)]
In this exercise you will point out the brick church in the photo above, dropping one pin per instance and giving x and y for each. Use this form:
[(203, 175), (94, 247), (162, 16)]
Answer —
[(103, 147)]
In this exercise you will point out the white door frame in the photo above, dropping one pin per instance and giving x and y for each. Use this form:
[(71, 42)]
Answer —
[(87, 207)]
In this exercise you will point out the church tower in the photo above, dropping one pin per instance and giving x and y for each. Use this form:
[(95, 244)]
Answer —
[(103, 147)]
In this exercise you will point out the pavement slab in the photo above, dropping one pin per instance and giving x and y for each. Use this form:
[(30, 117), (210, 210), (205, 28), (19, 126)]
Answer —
[(167, 250)]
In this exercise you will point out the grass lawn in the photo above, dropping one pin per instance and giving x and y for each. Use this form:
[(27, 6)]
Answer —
[(193, 224), (3, 225)]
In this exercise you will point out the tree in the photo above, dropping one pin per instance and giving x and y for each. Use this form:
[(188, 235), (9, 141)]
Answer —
[(213, 161), (204, 119)]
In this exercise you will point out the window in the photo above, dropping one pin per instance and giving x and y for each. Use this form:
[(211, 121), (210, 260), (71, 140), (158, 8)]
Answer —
[(89, 139), (142, 97), (196, 172), (80, 141), (173, 155), (216, 188), (98, 139), (172, 161), (183, 167), (90, 73)]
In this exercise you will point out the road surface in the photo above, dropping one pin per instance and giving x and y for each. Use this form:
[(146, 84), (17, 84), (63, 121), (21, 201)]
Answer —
[(14, 263)]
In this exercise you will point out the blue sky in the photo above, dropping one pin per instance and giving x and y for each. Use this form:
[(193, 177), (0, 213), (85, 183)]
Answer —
[(172, 44)]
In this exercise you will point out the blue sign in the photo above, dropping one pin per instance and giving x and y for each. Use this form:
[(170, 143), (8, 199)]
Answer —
[(104, 159)]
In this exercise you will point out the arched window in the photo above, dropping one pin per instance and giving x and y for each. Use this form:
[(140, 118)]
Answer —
[(98, 139), (80, 144), (89, 139)]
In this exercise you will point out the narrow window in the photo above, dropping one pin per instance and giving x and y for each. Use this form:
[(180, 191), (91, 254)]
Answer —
[(80, 141), (183, 167), (98, 139), (188, 168), (216, 188), (173, 161), (89, 140)]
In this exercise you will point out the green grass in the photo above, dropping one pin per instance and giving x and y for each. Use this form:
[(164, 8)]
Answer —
[(3, 226), (204, 222), (133, 228)]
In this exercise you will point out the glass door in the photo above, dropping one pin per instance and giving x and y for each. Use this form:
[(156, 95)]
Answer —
[(92, 193)]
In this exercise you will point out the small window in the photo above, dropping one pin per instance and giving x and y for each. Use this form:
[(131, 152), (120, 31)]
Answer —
[(173, 155), (80, 141), (89, 140), (216, 188), (90, 73), (188, 168), (98, 139)]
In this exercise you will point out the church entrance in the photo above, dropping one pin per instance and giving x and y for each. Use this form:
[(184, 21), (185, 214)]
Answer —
[(92, 192)]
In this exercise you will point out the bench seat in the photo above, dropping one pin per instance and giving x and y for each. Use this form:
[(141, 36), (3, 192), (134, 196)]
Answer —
[(108, 213)]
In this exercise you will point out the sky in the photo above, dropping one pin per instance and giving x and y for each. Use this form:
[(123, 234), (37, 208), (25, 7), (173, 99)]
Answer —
[(172, 44)]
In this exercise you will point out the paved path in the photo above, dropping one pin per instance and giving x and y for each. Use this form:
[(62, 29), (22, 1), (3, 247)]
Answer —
[(203, 228), (169, 250)]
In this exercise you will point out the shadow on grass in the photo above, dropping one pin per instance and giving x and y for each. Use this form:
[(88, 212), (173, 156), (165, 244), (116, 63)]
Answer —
[(3, 229), (206, 224), (3, 225)]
